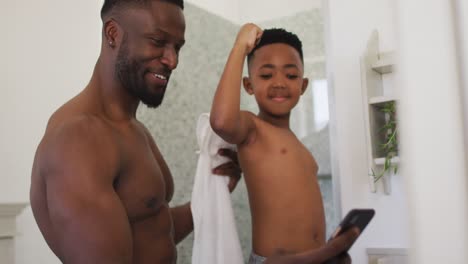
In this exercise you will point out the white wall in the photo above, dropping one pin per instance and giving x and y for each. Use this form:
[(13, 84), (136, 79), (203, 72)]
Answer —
[(48, 51), (349, 26), (432, 76)]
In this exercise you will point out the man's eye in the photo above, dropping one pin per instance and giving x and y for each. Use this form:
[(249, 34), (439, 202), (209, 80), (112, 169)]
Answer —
[(178, 48), (158, 42)]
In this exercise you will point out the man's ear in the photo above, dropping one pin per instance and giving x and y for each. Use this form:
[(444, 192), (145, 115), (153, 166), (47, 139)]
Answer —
[(111, 32), (305, 83), (247, 85)]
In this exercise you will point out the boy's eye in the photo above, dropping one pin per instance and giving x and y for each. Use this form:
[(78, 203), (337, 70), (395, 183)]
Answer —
[(265, 76), (292, 76)]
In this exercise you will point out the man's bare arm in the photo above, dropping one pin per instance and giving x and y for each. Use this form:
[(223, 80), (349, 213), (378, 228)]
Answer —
[(183, 221), (88, 219), (226, 118)]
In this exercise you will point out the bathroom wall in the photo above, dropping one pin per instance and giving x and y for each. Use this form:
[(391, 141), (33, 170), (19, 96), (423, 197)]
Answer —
[(349, 25), (48, 52), (434, 139)]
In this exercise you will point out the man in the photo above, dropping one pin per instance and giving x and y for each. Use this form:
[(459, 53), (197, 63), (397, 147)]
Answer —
[(100, 188)]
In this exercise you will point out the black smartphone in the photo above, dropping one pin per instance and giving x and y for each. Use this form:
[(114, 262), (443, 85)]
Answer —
[(359, 218)]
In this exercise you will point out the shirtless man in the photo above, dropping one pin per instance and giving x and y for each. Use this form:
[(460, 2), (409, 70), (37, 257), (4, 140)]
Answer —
[(100, 188)]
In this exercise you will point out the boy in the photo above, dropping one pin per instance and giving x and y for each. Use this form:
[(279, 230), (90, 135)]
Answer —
[(280, 173)]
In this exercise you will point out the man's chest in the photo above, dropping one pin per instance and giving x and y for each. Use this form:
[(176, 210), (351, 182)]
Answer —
[(144, 183)]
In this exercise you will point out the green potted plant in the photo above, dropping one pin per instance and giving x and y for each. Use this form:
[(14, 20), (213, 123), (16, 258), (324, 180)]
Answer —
[(389, 146)]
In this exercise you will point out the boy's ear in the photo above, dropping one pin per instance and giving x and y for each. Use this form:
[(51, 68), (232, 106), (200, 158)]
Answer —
[(247, 85), (305, 83)]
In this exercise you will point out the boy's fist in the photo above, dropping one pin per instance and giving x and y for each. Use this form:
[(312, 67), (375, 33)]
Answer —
[(249, 35)]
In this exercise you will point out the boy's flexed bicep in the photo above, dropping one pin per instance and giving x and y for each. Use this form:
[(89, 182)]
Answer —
[(226, 119), (240, 131), (87, 218)]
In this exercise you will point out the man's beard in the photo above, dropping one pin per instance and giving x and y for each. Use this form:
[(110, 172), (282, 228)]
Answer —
[(131, 76)]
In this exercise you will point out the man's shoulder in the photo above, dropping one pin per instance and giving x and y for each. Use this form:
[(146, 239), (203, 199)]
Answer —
[(75, 114), (76, 126), (76, 143), (84, 132)]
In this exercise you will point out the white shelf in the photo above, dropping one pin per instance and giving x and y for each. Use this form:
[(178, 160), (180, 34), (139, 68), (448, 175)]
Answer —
[(388, 251), (381, 99), (8, 213), (384, 63), (374, 64), (388, 255), (381, 161)]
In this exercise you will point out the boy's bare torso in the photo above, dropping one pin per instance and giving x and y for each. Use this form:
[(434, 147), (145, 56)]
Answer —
[(285, 199), (139, 177)]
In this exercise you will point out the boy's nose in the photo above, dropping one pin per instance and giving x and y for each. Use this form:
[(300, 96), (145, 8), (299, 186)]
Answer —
[(279, 84)]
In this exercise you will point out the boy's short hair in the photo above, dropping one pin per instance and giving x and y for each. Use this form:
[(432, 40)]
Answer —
[(278, 35), (111, 4)]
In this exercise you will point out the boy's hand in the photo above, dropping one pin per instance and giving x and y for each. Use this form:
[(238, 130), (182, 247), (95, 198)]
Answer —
[(333, 252), (248, 37), (231, 169)]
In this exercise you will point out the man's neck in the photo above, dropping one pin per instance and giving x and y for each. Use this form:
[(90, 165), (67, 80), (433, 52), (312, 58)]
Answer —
[(116, 103)]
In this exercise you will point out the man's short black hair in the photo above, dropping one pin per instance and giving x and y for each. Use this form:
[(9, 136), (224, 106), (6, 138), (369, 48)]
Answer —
[(278, 35), (111, 4)]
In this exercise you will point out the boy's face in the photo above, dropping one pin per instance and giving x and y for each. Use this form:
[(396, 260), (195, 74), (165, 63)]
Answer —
[(276, 78)]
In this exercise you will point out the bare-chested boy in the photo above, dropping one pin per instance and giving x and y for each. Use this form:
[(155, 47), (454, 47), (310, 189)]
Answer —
[(280, 173)]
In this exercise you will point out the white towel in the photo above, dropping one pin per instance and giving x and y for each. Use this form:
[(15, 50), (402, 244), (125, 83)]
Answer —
[(216, 240)]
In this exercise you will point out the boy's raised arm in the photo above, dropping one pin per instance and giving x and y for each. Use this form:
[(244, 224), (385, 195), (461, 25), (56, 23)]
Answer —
[(226, 118)]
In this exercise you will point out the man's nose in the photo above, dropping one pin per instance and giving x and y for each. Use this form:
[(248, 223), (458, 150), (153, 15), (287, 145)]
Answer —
[(170, 58)]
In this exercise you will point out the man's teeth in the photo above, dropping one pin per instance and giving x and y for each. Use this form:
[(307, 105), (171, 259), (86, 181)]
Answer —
[(160, 76)]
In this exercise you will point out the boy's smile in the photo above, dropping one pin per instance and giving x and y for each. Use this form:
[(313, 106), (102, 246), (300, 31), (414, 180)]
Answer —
[(278, 94), (279, 99)]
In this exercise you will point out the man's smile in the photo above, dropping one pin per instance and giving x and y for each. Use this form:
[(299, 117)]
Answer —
[(159, 79)]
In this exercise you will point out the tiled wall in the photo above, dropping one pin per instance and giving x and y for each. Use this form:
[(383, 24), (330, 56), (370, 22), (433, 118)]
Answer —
[(209, 40)]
